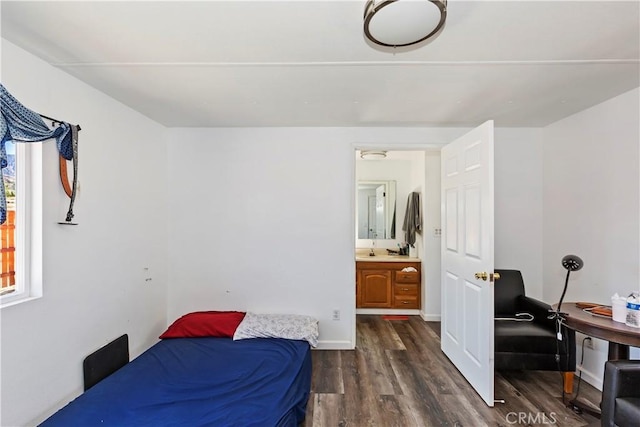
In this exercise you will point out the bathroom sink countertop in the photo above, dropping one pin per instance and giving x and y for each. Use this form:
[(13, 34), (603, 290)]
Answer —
[(387, 258), (382, 256)]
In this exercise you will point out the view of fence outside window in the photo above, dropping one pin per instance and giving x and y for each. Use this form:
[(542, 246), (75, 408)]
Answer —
[(8, 229)]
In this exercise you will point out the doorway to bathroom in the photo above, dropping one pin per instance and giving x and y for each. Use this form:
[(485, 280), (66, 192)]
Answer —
[(466, 187), (395, 189)]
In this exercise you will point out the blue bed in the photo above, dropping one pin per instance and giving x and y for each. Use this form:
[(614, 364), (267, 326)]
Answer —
[(200, 382)]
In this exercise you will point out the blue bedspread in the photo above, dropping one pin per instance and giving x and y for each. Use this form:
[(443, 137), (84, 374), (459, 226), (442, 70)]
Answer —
[(200, 382)]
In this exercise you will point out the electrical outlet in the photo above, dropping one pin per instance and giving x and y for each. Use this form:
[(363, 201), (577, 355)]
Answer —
[(589, 343), (335, 314)]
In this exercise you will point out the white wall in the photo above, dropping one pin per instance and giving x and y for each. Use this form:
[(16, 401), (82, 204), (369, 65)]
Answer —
[(263, 219), (518, 205), (430, 251), (591, 206), (94, 287)]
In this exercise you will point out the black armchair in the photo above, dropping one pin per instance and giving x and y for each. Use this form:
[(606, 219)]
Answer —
[(621, 394), (529, 345)]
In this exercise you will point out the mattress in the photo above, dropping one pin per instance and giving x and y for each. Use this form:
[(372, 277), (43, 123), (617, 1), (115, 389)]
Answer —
[(200, 382)]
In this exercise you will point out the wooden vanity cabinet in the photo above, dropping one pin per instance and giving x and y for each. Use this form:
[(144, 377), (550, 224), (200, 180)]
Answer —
[(375, 289), (385, 285)]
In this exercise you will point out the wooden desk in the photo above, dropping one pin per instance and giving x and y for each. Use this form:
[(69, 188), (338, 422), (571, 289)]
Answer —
[(619, 335)]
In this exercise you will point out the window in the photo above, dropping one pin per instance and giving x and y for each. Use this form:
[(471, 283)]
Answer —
[(8, 229), (21, 235)]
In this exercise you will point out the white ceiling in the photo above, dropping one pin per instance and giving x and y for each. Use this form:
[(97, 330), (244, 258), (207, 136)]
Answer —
[(306, 63)]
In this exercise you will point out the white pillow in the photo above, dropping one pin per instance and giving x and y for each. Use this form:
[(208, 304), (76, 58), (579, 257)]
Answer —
[(289, 326)]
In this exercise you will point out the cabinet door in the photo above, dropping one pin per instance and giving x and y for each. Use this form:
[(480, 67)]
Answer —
[(375, 289)]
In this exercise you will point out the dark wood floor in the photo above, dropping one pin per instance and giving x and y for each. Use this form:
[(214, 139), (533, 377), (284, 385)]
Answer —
[(398, 376)]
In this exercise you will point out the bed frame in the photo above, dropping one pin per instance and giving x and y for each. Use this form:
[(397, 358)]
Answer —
[(105, 361)]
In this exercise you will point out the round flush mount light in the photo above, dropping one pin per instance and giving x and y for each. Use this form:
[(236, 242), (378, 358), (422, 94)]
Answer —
[(397, 23), (373, 154)]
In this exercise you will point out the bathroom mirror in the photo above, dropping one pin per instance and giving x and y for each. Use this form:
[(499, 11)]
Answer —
[(376, 210)]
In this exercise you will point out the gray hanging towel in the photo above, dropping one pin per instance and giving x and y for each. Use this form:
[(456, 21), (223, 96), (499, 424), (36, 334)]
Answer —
[(412, 218)]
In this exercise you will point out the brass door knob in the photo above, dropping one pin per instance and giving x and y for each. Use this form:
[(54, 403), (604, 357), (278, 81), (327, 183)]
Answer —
[(495, 276), (482, 276)]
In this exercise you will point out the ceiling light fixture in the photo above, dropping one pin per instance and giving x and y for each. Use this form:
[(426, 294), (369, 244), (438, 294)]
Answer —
[(373, 155), (397, 23)]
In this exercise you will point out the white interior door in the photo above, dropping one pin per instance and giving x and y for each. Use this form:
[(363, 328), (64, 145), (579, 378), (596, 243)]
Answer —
[(467, 249)]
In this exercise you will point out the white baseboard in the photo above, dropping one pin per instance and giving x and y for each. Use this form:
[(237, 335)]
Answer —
[(335, 345), (430, 317), (589, 377)]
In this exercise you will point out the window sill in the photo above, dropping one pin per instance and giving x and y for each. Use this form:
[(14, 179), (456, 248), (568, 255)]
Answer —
[(19, 301)]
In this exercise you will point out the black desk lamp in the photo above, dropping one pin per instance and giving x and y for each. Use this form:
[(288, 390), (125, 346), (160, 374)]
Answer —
[(571, 263)]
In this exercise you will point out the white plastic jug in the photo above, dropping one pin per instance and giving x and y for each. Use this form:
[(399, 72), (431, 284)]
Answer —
[(619, 308)]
